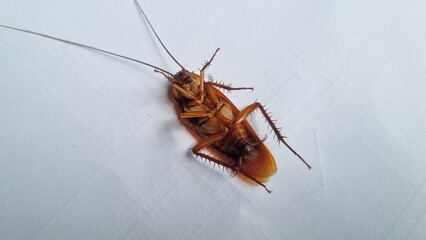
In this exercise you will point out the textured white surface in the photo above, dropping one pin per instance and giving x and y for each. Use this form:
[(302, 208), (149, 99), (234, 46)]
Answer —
[(91, 148)]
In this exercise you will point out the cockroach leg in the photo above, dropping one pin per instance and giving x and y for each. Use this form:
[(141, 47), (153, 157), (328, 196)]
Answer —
[(252, 107), (184, 92), (229, 88), (194, 114), (202, 82), (215, 160), (207, 142), (226, 87), (211, 93), (212, 139), (206, 65)]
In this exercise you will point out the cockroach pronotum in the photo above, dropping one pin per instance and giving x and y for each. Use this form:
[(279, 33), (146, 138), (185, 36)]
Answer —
[(223, 133)]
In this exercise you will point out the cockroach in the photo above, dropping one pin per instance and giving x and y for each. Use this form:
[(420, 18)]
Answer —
[(224, 136)]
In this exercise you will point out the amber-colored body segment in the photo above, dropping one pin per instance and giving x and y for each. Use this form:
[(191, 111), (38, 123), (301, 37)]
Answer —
[(233, 145), (220, 128)]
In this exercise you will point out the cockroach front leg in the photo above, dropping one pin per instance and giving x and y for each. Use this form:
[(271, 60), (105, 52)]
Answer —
[(219, 85), (227, 87), (207, 63), (202, 70), (243, 114)]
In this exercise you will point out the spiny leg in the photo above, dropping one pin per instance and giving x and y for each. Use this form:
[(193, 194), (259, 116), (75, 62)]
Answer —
[(207, 142), (207, 63), (228, 86), (243, 114), (213, 139), (229, 166)]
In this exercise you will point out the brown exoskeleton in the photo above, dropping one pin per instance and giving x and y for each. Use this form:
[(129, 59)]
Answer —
[(216, 123), (221, 128)]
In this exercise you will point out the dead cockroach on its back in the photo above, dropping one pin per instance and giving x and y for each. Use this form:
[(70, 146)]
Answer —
[(223, 133)]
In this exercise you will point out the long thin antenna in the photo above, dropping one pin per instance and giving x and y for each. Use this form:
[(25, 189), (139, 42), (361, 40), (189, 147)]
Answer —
[(156, 35), (89, 47)]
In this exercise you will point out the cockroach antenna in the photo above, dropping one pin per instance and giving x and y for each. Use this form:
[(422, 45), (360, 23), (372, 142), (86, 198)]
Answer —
[(88, 47), (156, 35)]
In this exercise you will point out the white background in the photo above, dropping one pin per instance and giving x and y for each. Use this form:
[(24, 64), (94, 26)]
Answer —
[(91, 148)]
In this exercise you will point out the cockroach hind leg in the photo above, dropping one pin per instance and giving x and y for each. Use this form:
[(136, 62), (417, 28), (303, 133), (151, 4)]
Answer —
[(256, 105), (207, 142), (214, 160), (278, 133)]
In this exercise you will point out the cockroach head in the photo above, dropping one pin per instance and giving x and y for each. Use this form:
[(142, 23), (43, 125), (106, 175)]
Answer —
[(182, 77)]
